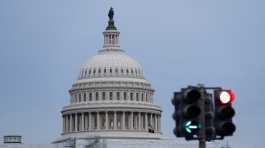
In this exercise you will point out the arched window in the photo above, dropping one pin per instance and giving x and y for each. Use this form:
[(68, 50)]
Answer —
[(96, 96), (79, 98), (90, 96), (84, 97), (110, 95), (75, 98), (118, 95), (103, 95), (131, 96), (124, 95)]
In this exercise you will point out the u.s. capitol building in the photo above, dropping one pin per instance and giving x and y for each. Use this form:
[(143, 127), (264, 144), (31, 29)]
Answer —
[(111, 104)]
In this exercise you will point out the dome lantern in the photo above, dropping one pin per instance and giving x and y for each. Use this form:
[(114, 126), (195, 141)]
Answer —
[(111, 35)]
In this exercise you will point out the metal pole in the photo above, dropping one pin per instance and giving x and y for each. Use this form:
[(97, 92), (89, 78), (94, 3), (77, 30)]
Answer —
[(202, 138)]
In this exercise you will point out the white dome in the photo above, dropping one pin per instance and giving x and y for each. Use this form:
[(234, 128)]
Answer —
[(111, 63)]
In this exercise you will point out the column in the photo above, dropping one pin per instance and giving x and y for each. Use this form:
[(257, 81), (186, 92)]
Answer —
[(151, 120), (131, 121), (76, 122), (139, 121), (67, 123), (63, 123), (123, 120), (71, 123), (107, 120), (115, 120), (82, 122), (146, 122), (159, 125), (155, 122), (89, 121), (98, 125), (85, 121)]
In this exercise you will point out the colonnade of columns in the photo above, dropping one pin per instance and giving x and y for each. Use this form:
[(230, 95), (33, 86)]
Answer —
[(111, 120), (111, 39)]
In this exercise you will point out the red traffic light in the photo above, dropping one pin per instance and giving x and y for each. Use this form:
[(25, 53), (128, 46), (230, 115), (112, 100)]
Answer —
[(226, 96)]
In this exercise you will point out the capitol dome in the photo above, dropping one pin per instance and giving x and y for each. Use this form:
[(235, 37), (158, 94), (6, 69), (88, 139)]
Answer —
[(111, 98), (111, 63)]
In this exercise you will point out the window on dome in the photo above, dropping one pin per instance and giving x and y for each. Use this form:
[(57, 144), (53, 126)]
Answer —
[(142, 97), (90, 96), (110, 70), (127, 71), (121, 70), (85, 72), (89, 72), (124, 95), (136, 71), (103, 95), (110, 95), (118, 95), (116, 70), (79, 98), (99, 70), (131, 71), (131, 96), (84, 97), (105, 70), (96, 96), (75, 97), (137, 96), (94, 71)]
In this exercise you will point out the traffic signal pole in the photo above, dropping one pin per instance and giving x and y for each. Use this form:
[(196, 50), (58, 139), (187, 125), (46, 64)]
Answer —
[(202, 135)]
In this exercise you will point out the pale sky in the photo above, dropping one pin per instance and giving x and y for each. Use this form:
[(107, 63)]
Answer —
[(178, 43)]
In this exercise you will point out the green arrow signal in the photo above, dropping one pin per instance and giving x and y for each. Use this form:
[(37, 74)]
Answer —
[(189, 126)]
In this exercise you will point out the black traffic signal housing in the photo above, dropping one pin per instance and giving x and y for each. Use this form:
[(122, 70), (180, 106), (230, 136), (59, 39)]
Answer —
[(224, 113), (209, 118), (187, 113), (176, 102)]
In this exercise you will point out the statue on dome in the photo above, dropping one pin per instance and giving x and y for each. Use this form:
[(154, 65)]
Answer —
[(111, 25), (111, 13)]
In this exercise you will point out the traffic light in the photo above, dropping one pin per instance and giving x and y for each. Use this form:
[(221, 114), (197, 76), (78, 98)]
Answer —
[(187, 113), (176, 100), (224, 113)]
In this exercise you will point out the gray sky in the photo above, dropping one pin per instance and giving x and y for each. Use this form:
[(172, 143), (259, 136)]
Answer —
[(215, 42)]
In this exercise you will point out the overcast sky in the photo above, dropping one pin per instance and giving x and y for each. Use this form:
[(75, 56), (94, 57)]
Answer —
[(178, 43)]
